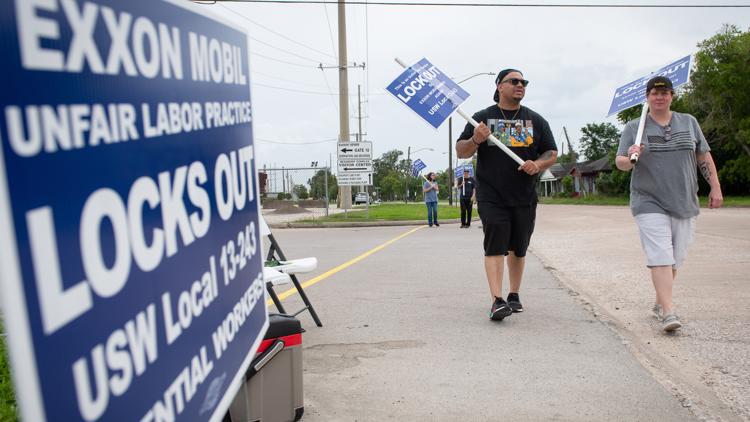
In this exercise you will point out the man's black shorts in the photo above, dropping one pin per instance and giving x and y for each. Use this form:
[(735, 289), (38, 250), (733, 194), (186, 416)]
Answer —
[(506, 228)]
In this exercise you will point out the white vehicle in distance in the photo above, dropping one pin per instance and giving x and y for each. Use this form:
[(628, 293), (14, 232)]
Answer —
[(361, 198)]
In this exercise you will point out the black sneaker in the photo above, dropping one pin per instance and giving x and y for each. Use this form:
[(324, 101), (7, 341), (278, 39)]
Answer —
[(499, 310), (436, 224), (515, 302)]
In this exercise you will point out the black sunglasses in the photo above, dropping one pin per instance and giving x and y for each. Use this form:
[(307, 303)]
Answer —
[(516, 81)]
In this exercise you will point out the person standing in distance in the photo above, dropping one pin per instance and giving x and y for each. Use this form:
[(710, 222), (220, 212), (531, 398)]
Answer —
[(430, 189), (664, 188), (506, 192), (467, 189)]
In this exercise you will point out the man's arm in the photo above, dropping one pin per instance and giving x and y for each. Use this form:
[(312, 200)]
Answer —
[(465, 148), (708, 170), (545, 161)]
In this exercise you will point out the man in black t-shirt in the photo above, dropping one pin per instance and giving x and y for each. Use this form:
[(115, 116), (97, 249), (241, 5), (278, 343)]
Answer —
[(506, 192), (466, 189)]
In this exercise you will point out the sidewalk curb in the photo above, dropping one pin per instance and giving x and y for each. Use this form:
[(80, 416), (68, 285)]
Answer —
[(337, 225)]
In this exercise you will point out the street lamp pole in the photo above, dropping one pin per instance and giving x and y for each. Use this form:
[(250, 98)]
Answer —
[(450, 140)]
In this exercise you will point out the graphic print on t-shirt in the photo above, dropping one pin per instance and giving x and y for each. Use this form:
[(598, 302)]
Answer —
[(512, 133), (678, 141)]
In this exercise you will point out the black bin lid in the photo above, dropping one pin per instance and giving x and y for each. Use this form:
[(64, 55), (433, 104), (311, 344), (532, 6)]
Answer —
[(282, 325)]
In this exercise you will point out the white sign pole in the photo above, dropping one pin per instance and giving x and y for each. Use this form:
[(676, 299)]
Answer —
[(474, 123), (639, 134)]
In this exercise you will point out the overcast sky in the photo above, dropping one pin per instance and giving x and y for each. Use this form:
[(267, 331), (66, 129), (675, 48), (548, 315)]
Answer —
[(574, 58)]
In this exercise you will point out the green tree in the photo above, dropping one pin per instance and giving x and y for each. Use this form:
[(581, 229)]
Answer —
[(391, 186), (445, 183), (598, 139), (719, 97), (317, 185), (571, 156), (301, 191), (615, 182), (567, 183), (384, 165)]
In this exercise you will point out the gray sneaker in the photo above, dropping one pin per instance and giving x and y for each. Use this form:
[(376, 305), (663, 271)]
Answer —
[(657, 311), (670, 323)]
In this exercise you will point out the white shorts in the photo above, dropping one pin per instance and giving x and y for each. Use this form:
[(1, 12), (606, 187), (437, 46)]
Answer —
[(665, 239)]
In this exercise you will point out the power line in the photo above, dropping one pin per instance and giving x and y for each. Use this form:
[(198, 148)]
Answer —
[(291, 81), (297, 90), (333, 50), (274, 32), (328, 86), (293, 90), (268, 141), (282, 61), (532, 5), (330, 30), (287, 51)]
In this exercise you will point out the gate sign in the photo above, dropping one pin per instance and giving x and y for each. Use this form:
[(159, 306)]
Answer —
[(634, 93), (428, 92), (130, 259)]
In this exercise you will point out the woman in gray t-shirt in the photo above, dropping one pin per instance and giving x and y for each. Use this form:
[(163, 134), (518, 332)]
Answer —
[(430, 189), (664, 188)]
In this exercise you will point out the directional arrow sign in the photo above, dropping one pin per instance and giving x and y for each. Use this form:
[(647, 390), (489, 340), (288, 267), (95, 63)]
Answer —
[(354, 179), (354, 157)]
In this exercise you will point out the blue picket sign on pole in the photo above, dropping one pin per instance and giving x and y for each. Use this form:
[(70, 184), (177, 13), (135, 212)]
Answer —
[(428, 92), (417, 166), (634, 93), (434, 97), (131, 269), (460, 170)]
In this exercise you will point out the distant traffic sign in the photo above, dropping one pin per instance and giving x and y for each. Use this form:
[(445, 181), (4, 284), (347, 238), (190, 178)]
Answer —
[(428, 92), (634, 93), (354, 163)]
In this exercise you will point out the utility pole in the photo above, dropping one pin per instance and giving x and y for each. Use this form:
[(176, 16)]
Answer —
[(570, 147), (345, 192), (451, 176), (359, 139), (359, 112)]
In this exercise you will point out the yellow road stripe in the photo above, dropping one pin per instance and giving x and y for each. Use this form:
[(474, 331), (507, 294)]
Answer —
[(345, 265)]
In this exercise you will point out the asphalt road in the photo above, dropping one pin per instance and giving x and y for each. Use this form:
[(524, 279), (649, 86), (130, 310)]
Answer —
[(406, 337)]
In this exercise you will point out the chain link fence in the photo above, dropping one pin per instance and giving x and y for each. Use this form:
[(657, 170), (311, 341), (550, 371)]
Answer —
[(297, 193)]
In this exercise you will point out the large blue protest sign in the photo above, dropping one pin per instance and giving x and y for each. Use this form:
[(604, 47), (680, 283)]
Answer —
[(417, 166), (428, 92), (634, 93), (130, 258)]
